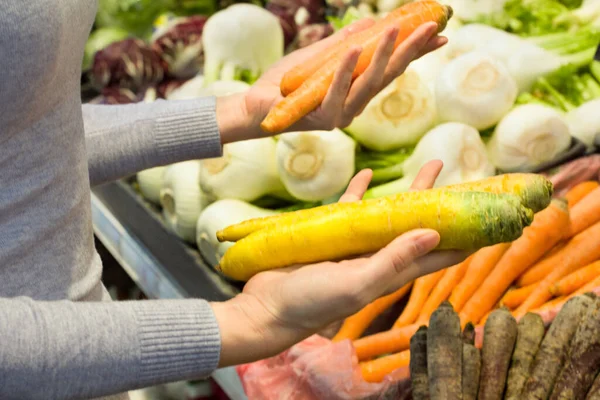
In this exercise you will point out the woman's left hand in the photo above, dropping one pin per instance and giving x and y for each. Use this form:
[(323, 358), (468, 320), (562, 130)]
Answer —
[(239, 116)]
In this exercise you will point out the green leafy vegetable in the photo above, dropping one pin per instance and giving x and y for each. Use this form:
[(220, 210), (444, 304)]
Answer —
[(137, 16), (531, 17), (351, 15)]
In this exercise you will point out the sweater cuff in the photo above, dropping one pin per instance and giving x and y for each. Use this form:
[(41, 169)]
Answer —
[(190, 133), (178, 339)]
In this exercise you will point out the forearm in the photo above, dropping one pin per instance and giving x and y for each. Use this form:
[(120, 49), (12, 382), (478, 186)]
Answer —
[(249, 334), (122, 140), (234, 121), (65, 350)]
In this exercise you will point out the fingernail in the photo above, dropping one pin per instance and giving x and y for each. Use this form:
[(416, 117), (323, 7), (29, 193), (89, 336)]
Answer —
[(426, 241)]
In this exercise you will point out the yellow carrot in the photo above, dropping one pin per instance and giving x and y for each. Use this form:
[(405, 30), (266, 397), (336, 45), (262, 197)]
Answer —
[(464, 220), (534, 190), (313, 90), (356, 324)]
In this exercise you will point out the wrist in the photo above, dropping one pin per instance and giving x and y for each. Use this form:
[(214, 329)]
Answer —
[(234, 121), (250, 333)]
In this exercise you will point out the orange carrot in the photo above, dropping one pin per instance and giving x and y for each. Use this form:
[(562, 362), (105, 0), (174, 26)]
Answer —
[(313, 90), (586, 212), (581, 250), (480, 266), (576, 279), (295, 77), (452, 276), (556, 303), (513, 298), (418, 296), (539, 271), (548, 227), (390, 341), (579, 191), (354, 326), (485, 318), (376, 370)]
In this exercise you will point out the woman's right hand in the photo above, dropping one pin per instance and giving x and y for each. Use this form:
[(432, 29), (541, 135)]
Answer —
[(279, 308)]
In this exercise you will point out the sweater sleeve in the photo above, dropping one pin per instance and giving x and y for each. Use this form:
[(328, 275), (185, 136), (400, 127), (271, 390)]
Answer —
[(72, 350), (124, 139)]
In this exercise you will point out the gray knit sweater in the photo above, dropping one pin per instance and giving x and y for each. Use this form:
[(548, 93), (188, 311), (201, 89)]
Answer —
[(58, 339)]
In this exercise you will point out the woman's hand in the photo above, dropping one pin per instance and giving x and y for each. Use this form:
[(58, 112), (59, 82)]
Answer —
[(281, 307), (239, 116)]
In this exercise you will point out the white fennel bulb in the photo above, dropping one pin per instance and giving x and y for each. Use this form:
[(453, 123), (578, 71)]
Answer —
[(241, 42), (584, 122), (527, 136), (315, 165), (191, 89), (221, 214), (458, 146), (475, 89), (182, 199), (246, 171), (397, 116), (150, 182), (430, 65), (525, 61)]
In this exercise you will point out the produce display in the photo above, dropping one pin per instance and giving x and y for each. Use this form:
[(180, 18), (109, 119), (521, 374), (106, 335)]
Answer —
[(515, 85), (516, 88)]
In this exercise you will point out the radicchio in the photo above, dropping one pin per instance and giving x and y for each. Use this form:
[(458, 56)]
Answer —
[(180, 46), (295, 14), (312, 33), (128, 64)]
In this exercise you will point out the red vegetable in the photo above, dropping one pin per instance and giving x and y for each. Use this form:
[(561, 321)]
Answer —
[(180, 46), (129, 64)]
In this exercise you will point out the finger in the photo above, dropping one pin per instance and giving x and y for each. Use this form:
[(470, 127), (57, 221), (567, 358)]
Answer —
[(427, 175), (432, 45), (427, 264), (408, 50), (334, 100), (369, 83), (357, 187), (393, 260)]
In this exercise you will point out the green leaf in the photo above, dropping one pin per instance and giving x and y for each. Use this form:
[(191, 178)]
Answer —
[(350, 16)]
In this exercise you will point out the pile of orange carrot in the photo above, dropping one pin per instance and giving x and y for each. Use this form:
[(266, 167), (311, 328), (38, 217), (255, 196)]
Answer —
[(556, 258)]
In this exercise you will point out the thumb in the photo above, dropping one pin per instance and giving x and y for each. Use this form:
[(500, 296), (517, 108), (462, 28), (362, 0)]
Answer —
[(397, 256)]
